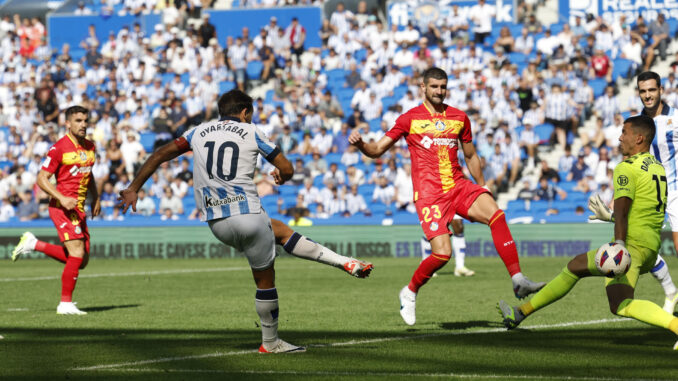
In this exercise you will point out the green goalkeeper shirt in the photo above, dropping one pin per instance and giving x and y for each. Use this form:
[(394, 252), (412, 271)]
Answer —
[(642, 178)]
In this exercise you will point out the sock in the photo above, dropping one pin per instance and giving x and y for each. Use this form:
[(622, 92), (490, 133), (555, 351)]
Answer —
[(425, 248), (266, 303), (554, 290), (459, 247), (649, 313), (69, 277), (503, 242), (302, 247), (55, 251), (426, 269), (661, 273)]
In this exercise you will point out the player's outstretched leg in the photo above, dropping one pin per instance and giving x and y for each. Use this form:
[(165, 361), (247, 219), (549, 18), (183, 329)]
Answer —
[(660, 271), (29, 243), (426, 251), (266, 302), (422, 274), (506, 247), (552, 291), (302, 247), (26, 245)]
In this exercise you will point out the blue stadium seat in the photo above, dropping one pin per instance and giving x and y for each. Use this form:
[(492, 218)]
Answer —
[(286, 190), (333, 157), (336, 74), (598, 85), (375, 124), (5, 165), (400, 91), (147, 139), (544, 132), (621, 68), (254, 70), (167, 78), (225, 86), (387, 102), (407, 70), (517, 57), (345, 94)]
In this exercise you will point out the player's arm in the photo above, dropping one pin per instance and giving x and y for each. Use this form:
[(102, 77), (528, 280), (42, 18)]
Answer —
[(473, 162), (622, 205), (372, 149), (128, 197), (43, 182), (94, 191), (283, 169)]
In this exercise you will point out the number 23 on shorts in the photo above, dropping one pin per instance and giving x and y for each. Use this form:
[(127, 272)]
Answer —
[(434, 209)]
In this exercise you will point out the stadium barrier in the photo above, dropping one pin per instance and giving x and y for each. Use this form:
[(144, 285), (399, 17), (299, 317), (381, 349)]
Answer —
[(537, 240)]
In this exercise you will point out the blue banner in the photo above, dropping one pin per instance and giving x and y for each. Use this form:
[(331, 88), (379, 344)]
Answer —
[(231, 22), (610, 10), (401, 12), (73, 29)]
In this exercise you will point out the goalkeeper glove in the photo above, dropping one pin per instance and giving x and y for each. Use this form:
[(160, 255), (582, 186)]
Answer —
[(599, 209)]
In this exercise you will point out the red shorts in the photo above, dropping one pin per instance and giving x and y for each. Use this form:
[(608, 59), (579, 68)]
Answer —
[(70, 224), (437, 212)]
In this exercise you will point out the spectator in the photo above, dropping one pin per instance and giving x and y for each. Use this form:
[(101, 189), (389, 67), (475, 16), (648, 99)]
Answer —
[(6, 210), (354, 176), (601, 65), (265, 185), (170, 202), (108, 196), (528, 142), (556, 113), (549, 173), (317, 165), (335, 203), (548, 192), (566, 161), (206, 31), (323, 141), (481, 15), (578, 170), (526, 194), (355, 202), (298, 218), (27, 210), (659, 30), (384, 192), (335, 176), (404, 193), (607, 106), (300, 173), (133, 152), (167, 214), (310, 193), (145, 204), (297, 36), (505, 40)]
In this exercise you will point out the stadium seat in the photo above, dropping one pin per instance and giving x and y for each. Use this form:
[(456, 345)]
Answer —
[(225, 86), (333, 157), (254, 70), (5, 165), (147, 139), (387, 102), (335, 75), (286, 190), (598, 85), (375, 124), (517, 57), (621, 68), (544, 132)]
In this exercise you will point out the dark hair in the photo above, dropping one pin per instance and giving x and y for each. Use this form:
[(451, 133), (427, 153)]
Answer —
[(233, 102), (644, 125), (435, 73), (76, 110), (647, 75)]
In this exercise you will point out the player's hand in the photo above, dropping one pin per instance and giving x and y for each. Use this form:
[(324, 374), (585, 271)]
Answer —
[(355, 137), (128, 198), (600, 210), (96, 207), (69, 203), (276, 176)]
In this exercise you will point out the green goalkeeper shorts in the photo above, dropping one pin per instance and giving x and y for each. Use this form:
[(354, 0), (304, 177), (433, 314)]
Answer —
[(642, 261)]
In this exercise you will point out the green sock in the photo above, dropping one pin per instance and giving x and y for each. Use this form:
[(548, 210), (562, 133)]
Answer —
[(554, 290), (647, 312)]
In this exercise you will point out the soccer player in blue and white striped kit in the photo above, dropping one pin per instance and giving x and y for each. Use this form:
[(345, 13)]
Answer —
[(225, 154), (664, 149)]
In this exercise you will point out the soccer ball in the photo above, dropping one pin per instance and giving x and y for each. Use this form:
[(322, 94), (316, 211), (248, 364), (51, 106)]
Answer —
[(612, 259)]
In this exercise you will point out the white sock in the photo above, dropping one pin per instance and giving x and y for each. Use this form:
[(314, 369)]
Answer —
[(517, 277), (302, 247), (459, 247), (661, 273), (266, 303), (425, 248)]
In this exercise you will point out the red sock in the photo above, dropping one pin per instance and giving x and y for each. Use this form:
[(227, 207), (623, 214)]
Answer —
[(426, 269), (57, 252), (69, 277), (503, 242)]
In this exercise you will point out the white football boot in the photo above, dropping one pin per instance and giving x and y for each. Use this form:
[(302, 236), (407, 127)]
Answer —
[(26, 245), (408, 305), (281, 346), (69, 308)]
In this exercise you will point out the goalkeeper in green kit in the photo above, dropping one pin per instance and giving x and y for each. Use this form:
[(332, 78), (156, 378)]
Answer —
[(640, 200)]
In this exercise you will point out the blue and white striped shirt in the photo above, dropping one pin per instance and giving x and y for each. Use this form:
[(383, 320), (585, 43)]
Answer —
[(665, 143), (224, 157)]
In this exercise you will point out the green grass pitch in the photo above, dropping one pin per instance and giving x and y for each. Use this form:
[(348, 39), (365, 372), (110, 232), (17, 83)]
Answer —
[(195, 320)]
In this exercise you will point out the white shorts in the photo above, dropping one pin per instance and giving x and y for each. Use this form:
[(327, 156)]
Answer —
[(672, 210), (251, 234)]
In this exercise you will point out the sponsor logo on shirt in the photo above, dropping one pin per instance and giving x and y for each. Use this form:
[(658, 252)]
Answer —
[(427, 142), (211, 202)]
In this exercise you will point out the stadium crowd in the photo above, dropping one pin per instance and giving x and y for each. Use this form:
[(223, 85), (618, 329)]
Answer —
[(522, 85)]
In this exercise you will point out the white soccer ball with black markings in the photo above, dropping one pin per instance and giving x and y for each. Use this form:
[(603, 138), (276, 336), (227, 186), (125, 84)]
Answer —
[(612, 259)]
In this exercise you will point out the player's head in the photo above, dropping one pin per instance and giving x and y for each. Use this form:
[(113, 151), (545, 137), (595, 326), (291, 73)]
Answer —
[(76, 121), (238, 104), (650, 89), (637, 135), (434, 84)]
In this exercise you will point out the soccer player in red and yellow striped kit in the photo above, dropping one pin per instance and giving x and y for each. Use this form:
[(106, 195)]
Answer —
[(70, 159), (432, 131)]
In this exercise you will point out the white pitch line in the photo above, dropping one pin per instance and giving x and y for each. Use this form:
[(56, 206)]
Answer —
[(380, 374), (158, 272), (353, 342)]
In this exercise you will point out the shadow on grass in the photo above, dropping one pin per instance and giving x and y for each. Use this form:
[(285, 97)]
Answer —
[(463, 325), (107, 308)]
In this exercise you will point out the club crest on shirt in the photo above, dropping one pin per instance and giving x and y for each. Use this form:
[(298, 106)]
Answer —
[(434, 226), (83, 156), (78, 230), (440, 125)]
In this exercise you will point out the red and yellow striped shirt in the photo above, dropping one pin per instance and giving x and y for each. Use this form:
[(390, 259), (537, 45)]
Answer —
[(432, 141), (72, 163)]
